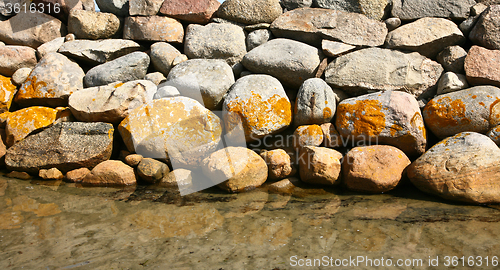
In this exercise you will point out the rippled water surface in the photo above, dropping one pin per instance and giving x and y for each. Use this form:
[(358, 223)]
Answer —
[(56, 225)]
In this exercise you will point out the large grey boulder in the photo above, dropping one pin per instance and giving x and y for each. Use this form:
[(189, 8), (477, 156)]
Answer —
[(463, 168), (290, 61), (315, 104), (215, 41), (110, 103), (98, 51), (132, 66), (486, 32), (312, 25), (13, 58), (375, 9), (205, 80), (379, 69), (250, 11), (87, 24), (65, 146), (416, 9), (428, 36), (51, 82)]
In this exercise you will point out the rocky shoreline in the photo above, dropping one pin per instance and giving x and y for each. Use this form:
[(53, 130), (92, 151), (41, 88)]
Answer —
[(359, 94)]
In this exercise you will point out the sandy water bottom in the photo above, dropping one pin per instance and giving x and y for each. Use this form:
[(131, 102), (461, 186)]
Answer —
[(56, 225)]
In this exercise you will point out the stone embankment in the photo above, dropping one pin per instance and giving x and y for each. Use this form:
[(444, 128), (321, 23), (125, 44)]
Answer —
[(358, 94)]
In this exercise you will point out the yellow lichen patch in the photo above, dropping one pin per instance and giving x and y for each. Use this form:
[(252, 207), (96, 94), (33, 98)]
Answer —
[(7, 91), (24, 121), (446, 112), (258, 114), (365, 117), (33, 88), (417, 121), (395, 128), (118, 85), (327, 113)]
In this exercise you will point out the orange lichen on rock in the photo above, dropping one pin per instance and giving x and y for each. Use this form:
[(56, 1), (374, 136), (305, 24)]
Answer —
[(7, 91), (32, 88), (364, 118), (258, 114), (23, 122), (446, 112)]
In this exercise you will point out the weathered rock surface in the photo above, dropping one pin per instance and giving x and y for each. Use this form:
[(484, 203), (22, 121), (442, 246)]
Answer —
[(285, 186), (250, 11), (279, 164), (461, 168), (375, 9), (320, 165), (389, 117), (311, 25), (289, 61), (465, 110), (110, 103), (486, 31), (334, 48), (19, 175), (177, 178), (308, 135), (166, 91), (240, 168), (50, 174), (482, 66), (133, 159), (205, 80), (130, 67), (155, 77), (153, 28), (77, 175), (260, 104), (22, 122), (144, 7), (193, 11), (50, 47), (86, 24), (381, 70), (452, 59), (13, 58), (293, 4), (374, 169), (21, 75), (7, 91), (51, 82), (31, 29), (117, 7), (110, 173), (428, 36), (215, 41), (494, 135), (179, 128), (331, 137), (451, 82), (257, 38), (315, 104), (98, 51), (162, 56), (65, 146), (152, 170), (392, 23), (416, 9)]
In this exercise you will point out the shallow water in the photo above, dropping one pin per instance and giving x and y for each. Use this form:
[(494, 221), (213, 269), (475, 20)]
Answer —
[(56, 225)]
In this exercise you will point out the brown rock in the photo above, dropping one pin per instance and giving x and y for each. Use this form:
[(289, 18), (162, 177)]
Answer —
[(86, 24), (51, 174), (237, 169), (464, 167), (133, 159), (19, 175), (77, 175), (250, 11), (374, 169), (31, 29), (452, 59), (153, 28), (278, 163), (331, 138), (58, 8), (192, 11), (13, 58), (110, 173), (308, 135), (334, 48), (486, 32), (312, 25), (319, 165), (177, 178), (151, 170), (285, 186), (144, 7), (482, 66)]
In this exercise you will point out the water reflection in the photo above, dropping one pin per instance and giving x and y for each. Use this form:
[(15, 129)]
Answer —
[(56, 225)]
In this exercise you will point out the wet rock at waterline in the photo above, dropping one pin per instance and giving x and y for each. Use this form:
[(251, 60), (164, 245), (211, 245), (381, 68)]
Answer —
[(319, 165), (110, 173), (179, 128), (65, 146), (279, 164), (239, 168), (151, 170), (461, 168)]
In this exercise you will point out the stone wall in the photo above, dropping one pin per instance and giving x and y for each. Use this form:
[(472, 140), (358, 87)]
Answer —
[(360, 94)]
